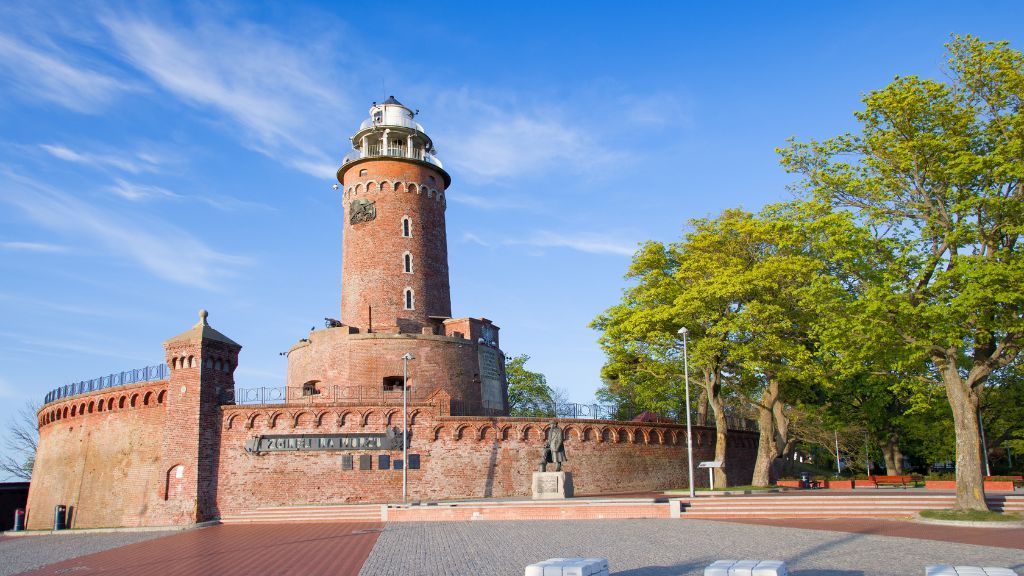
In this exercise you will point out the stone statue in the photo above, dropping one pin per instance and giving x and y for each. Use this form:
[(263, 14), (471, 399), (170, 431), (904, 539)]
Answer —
[(554, 449)]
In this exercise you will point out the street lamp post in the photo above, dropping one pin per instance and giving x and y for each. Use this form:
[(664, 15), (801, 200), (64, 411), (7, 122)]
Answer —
[(689, 428), (405, 425)]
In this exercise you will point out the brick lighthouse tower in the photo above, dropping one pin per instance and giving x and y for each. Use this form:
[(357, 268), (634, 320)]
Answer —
[(395, 259), (395, 294)]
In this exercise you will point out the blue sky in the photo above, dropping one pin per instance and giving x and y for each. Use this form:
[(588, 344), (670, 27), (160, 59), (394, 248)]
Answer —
[(156, 160)]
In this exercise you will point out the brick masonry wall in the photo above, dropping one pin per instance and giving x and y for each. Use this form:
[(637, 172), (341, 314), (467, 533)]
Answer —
[(102, 464), (358, 363), (373, 276), (460, 457)]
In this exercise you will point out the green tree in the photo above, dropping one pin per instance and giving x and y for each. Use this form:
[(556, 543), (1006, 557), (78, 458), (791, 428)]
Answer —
[(528, 392), (936, 169)]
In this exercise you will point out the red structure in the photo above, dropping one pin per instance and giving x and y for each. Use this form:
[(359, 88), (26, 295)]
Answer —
[(178, 444)]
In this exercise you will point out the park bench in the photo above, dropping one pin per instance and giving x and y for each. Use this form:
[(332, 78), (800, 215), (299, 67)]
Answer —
[(891, 480)]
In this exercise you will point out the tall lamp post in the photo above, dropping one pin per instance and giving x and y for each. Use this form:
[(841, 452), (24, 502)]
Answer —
[(405, 425), (689, 428)]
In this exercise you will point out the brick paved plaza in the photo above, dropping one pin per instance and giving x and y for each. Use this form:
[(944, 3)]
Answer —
[(634, 548)]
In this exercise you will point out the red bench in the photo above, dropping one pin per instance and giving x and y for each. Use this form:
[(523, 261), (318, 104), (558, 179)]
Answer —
[(891, 480)]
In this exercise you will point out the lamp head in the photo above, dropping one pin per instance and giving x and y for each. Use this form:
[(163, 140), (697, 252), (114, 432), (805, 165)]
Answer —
[(682, 331), (408, 356)]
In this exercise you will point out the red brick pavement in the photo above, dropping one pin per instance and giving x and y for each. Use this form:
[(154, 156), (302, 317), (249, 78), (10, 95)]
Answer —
[(272, 550), (999, 537)]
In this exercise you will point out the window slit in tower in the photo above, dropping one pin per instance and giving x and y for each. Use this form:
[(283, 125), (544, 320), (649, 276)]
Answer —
[(408, 299), (408, 262)]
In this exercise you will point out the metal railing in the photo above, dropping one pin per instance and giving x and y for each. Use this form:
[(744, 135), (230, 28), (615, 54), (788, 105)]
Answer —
[(146, 374), (378, 396), (374, 150), (323, 394)]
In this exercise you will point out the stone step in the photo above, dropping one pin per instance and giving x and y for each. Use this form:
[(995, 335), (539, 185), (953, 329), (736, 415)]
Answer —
[(306, 514)]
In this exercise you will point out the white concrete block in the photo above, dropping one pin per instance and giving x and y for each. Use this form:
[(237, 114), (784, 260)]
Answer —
[(769, 568), (939, 570), (719, 568), (569, 567), (996, 571), (970, 571), (743, 568)]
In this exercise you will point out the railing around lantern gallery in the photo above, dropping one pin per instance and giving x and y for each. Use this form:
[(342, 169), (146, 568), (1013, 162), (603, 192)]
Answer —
[(393, 397), (146, 374), (374, 150)]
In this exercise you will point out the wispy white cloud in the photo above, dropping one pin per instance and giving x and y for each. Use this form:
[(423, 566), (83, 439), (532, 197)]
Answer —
[(164, 250), (494, 138), (474, 239), (662, 110), (136, 192), (33, 247), (582, 242), (135, 164), (485, 202), (139, 192), (37, 303), (53, 75), (276, 91)]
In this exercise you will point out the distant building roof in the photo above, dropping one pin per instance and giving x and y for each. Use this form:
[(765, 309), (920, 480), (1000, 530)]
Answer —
[(648, 416)]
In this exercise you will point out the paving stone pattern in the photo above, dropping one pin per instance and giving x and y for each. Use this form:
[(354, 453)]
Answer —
[(19, 554), (659, 548)]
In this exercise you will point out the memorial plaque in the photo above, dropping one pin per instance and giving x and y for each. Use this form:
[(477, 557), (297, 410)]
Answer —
[(365, 462), (346, 462), (383, 462), (491, 380), (414, 461), (390, 440)]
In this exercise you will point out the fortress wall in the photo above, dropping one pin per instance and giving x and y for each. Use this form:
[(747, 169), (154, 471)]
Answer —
[(461, 457), (103, 464), (337, 359)]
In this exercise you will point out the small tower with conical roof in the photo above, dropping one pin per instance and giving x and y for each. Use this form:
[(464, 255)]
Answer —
[(202, 363), (395, 251)]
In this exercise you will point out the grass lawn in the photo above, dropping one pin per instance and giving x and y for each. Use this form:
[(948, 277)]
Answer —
[(970, 516)]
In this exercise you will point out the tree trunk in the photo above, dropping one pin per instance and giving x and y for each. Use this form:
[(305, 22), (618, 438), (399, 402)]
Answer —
[(713, 390), (766, 446), (890, 463), (784, 442), (892, 454), (702, 408), (964, 400)]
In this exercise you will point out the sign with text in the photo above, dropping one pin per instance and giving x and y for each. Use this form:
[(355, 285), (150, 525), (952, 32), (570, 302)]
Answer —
[(391, 440)]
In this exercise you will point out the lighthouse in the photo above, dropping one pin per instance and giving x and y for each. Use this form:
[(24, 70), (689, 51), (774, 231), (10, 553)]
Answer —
[(395, 293), (395, 256)]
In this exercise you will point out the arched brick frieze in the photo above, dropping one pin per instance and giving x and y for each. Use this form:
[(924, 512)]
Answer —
[(413, 416), (231, 421), (320, 417), (506, 432), (367, 417), (347, 418), (462, 431), (526, 432), (301, 419), (274, 419), (389, 417), (437, 432)]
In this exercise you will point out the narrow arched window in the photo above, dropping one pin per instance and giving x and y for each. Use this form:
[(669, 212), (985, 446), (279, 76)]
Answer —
[(406, 227), (409, 301), (407, 262)]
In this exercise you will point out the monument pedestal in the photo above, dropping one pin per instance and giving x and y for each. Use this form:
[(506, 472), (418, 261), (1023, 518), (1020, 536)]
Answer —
[(552, 485)]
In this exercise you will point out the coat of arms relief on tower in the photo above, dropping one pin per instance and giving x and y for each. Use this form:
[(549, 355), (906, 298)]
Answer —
[(362, 211)]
